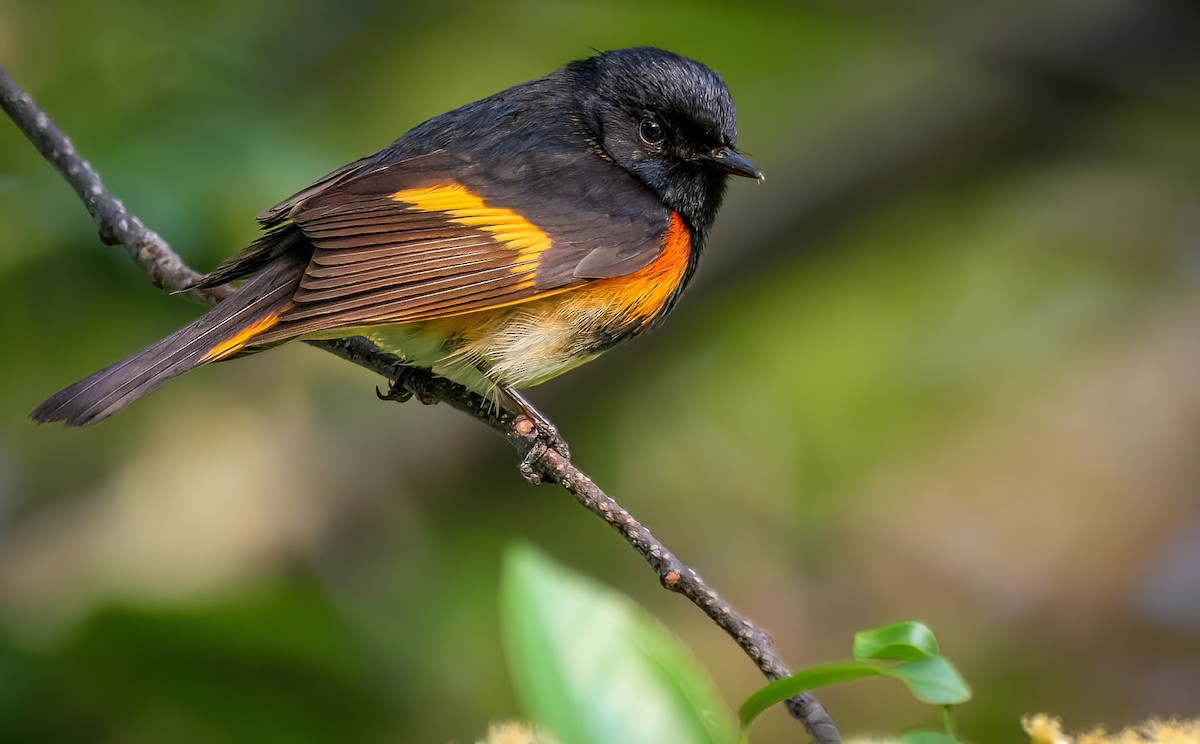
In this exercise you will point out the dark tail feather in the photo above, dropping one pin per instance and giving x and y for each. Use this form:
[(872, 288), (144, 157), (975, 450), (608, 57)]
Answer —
[(218, 334)]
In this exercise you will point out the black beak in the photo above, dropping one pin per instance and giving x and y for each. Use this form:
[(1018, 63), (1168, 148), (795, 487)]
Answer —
[(732, 161)]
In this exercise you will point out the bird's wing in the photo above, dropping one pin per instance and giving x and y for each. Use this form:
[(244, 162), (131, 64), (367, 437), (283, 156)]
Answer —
[(436, 237)]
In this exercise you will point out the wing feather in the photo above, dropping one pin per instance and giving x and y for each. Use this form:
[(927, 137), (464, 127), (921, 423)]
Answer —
[(402, 269), (393, 240), (409, 300), (379, 282)]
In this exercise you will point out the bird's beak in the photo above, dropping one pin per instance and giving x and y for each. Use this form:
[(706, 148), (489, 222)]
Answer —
[(732, 161)]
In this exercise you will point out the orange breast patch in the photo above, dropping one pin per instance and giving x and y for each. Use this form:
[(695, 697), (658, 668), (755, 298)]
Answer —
[(644, 294)]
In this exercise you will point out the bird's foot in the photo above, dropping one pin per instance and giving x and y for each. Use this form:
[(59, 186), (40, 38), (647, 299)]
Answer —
[(406, 386), (544, 436), (396, 392)]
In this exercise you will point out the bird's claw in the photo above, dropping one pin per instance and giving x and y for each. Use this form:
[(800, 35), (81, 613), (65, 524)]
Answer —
[(545, 438), (396, 392), (405, 387)]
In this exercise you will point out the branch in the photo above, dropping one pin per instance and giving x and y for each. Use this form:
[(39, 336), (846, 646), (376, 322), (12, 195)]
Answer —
[(168, 271)]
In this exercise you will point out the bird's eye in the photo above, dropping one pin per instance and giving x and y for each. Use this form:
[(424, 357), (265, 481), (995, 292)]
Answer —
[(651, 132)]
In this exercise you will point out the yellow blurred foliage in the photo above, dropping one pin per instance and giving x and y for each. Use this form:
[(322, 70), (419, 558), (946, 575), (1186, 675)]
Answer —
[(1044, 729), (514, 732)]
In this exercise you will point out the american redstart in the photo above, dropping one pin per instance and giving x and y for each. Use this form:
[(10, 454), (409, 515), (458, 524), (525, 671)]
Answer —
[(499, 245)]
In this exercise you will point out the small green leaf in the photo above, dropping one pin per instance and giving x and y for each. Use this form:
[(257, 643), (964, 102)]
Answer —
[(929, 676), (934, 681), (907, 641), (594, 668), (808, 679)]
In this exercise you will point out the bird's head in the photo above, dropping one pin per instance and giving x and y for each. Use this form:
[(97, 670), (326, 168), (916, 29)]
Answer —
[(669, 121)]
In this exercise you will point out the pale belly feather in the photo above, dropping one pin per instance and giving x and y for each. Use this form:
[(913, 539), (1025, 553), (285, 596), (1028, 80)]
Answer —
[(520, 346)]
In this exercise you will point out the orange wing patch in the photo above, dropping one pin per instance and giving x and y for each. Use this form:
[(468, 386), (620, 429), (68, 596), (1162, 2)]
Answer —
[(465, 207)]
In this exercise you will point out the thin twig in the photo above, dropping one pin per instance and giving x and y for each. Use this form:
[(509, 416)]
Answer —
[(168, 271)]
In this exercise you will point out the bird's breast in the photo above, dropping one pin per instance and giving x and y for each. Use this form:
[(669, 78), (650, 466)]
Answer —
[(639, 299)]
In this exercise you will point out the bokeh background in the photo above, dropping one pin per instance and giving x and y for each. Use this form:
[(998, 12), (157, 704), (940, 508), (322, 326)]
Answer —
[(944, 364)]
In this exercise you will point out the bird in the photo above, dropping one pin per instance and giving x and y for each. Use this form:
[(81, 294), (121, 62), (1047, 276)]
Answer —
[(498, 245)]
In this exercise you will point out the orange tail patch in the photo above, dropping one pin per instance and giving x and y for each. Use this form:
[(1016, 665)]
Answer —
[(233, 344)]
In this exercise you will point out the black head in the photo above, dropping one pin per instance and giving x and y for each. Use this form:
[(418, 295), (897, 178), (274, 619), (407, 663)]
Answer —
[(669, 121)]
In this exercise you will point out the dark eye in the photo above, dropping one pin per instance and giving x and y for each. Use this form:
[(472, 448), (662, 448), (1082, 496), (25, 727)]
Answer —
[(652, 132)]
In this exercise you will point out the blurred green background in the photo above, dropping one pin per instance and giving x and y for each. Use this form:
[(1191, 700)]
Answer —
[(944, 364)]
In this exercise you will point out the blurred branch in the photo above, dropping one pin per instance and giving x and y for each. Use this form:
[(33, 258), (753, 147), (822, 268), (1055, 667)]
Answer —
[(168, 271), (116, 224)]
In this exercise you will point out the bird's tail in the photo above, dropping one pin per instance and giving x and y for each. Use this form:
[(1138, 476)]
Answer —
[(222, 332)]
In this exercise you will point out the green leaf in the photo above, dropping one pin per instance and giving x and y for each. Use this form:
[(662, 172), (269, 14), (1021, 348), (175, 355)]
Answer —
[(808, 679), (934, 681), (930, 677), (907, 641), (594, 668)]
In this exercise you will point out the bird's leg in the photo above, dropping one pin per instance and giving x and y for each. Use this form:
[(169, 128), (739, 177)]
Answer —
[(546, 436)]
